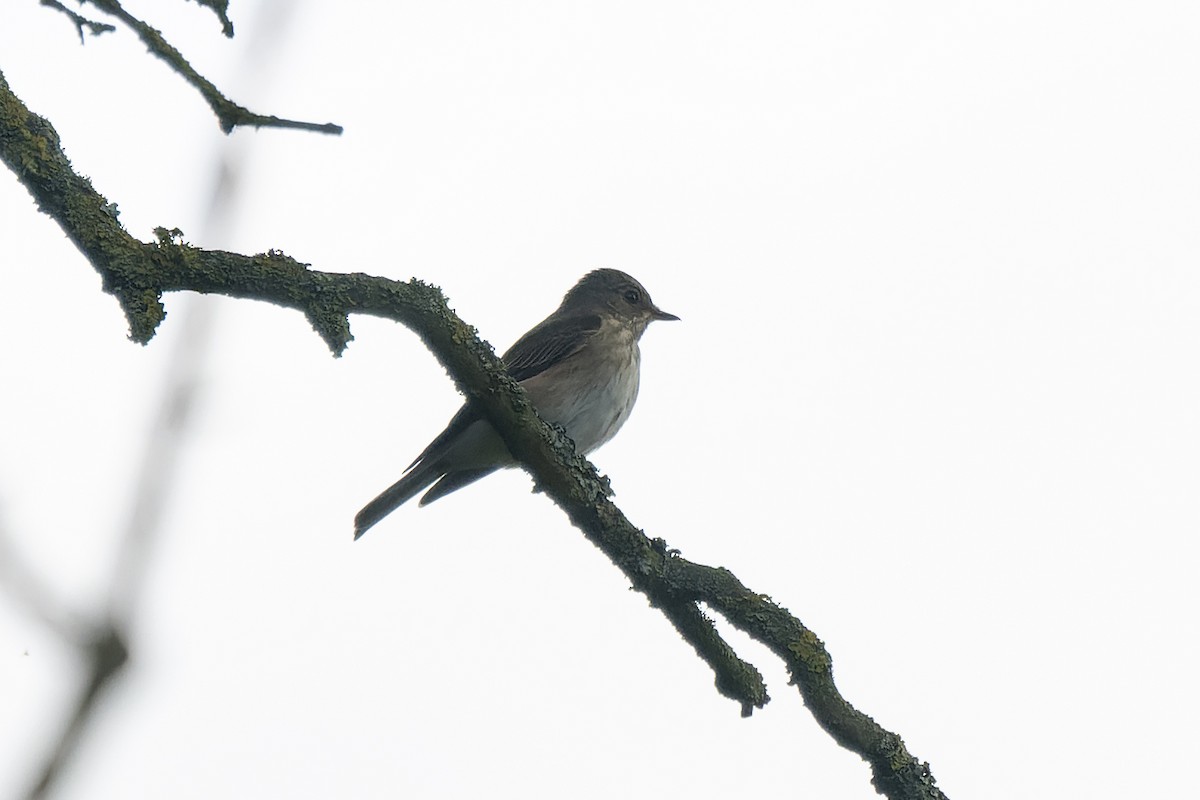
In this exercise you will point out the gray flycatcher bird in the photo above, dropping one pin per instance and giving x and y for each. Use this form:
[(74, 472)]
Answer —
[(580, 367)]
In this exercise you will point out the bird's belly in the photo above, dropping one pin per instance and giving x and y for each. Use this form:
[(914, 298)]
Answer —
[(592, 404)]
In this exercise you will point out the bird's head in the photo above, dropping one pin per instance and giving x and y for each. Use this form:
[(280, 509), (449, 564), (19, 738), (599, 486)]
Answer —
[(612, 293)]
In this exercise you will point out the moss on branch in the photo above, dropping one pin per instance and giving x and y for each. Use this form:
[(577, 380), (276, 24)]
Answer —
[(138, 273)]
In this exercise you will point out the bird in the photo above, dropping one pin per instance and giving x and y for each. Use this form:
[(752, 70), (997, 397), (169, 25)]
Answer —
[(580, 367)]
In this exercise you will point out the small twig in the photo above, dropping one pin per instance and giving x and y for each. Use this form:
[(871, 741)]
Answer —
[(221, 9), (895, 772), (81, 22), (735, 678), (229, 114)]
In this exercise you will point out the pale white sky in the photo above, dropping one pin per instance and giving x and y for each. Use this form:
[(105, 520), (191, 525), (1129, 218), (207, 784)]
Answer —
[(935, 390)]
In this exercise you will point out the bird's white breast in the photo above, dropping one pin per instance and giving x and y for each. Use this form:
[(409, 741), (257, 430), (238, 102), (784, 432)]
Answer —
[(592, 393)]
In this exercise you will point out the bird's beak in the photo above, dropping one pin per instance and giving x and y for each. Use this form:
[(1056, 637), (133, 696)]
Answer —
[(658, 313)]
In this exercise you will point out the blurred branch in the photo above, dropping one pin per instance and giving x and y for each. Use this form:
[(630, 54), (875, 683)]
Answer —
[(26, 589), (100, 642), (229, 114), (106, 656), (138, 273), (81, 22)]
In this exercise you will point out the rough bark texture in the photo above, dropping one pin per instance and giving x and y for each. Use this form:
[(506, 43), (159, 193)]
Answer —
[(137, 273)]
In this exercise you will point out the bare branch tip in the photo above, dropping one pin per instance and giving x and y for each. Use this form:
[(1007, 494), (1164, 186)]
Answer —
[(334, 329), (221, 9), (80, 21)]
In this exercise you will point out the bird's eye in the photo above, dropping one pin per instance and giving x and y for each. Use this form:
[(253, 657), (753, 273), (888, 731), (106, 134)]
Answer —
[(633, 296)]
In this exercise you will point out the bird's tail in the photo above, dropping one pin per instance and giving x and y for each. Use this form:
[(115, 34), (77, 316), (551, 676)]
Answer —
[(393, 497)]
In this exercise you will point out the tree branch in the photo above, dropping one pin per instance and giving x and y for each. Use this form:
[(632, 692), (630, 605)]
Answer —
[(229, 114), (106, 656), (81, 22), (137, 274), (99, 642), (221, 9)]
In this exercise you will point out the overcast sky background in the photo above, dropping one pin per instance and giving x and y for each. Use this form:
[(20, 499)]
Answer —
[(935, 390)]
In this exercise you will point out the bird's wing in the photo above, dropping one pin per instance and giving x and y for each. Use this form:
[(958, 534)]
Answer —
[(551, 342), (459, 423), (544, 346)]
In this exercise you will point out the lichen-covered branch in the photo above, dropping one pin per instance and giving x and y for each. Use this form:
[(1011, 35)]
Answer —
[(895, 772), (138, 273)]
